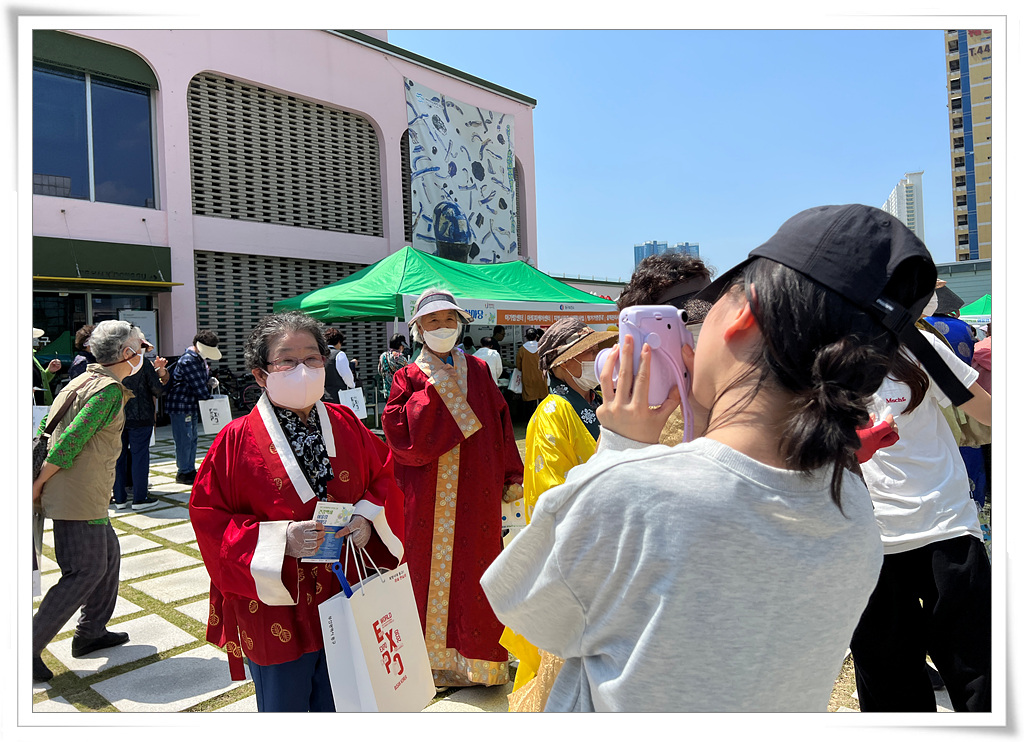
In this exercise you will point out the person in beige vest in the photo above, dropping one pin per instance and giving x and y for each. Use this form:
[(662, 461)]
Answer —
[(73, 489)]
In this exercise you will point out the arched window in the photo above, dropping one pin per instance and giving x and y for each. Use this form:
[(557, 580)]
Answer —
[(92, 124)]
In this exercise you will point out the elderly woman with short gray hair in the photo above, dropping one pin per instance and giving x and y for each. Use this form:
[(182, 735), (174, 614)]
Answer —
[(253, 505), (73, 489)]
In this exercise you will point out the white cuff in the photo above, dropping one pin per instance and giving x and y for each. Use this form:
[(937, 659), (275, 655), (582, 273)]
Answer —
[(611, 441), (367, 509), (267, 560)]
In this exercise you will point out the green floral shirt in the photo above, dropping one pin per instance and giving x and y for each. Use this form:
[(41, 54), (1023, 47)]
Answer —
[(99, 411)]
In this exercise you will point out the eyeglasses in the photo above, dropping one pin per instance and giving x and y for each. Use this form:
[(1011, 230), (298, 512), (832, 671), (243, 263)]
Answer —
[(289, 363)]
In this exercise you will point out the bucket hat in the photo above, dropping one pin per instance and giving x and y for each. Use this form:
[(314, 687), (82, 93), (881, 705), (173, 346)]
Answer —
[(872, 260), (566, 339), (437, 300)]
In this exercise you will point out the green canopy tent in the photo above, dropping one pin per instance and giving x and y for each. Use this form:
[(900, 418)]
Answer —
[(980, 308), (510, 293)]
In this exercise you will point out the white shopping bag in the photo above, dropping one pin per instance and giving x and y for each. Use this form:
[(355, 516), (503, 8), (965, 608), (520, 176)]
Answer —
[(354, 400), (513, 514), (215, 412), (376, 656)]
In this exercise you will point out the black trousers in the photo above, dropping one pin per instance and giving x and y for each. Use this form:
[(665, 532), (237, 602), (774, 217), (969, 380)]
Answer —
[(936, 600)]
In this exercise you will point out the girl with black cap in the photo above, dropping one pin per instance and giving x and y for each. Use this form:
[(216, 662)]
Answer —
[(728, 573)]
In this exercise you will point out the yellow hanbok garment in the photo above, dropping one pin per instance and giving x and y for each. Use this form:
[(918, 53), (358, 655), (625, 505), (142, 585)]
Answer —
[(561, 434)]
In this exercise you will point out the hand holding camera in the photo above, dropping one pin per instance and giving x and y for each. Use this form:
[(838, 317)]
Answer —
[(654, 337)]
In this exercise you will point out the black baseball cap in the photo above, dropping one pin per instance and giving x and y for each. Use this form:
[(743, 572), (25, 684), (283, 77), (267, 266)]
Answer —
[(872, 260)]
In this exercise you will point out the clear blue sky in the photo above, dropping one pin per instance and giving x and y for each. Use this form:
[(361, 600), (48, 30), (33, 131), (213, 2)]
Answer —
[(714, 137)]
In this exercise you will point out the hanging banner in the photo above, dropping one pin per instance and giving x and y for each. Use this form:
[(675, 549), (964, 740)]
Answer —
[(533, 313), (463, 184)]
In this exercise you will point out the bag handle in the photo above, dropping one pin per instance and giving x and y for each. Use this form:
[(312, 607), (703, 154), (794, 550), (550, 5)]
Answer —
[(53, 422), (339, 568)]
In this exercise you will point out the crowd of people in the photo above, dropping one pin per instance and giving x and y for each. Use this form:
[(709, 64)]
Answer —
[(825, 498)]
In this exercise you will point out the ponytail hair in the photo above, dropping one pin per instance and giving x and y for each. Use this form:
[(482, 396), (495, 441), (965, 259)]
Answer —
[(828, 354)]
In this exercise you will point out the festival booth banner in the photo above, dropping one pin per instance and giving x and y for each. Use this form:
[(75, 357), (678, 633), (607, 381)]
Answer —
[(537, 314), (463, 178)]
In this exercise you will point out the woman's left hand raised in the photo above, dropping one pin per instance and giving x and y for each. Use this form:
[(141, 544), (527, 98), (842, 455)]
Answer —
[(625, 410)]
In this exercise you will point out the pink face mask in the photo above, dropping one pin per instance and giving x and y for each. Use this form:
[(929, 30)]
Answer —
[(297, 388)]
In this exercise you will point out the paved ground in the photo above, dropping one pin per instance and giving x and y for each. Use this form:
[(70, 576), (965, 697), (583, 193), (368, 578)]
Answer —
[(167, 665)]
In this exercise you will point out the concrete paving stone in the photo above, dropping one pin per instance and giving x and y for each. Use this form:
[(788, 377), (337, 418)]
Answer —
[(169, 488), (172, 684), (132, 543), (942, 700), (47, 565), (494, 698), (177, 586), (147, 636), (154, 518), (48, 536), (200, 610), (181, 534), (46, 581), (247, 704), (53, 705), (122, 607), (157, 561)]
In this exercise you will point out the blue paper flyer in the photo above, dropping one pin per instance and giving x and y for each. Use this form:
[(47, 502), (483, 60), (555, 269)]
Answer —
[(334, 516)]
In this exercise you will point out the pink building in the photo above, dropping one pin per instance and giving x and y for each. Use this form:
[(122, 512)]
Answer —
[(190, 178)]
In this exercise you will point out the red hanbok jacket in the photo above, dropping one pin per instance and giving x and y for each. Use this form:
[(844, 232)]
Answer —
[(247, 491)]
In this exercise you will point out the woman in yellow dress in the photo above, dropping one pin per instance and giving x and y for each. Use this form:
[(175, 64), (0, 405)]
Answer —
[(562, 434)]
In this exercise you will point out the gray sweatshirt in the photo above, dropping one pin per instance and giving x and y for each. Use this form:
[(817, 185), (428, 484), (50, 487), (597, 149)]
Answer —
[(690, 578)]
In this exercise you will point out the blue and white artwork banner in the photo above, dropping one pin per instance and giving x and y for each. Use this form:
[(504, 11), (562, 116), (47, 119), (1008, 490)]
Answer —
[(463, 183)]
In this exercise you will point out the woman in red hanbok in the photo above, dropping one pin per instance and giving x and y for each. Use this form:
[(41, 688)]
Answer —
[(252, 507), (456, 458)]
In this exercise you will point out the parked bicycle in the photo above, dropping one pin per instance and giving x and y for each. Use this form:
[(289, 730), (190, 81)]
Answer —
[(242, 394)]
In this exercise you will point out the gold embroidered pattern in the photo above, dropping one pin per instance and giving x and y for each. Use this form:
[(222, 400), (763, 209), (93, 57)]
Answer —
[(302, 574), (343, 476), (441, 550), (233, 649), (281, 633), (273, 449), (247, 641), (214, 618), (451, 389), (253, 606), (309, 598), (279, 483), (457, 670)]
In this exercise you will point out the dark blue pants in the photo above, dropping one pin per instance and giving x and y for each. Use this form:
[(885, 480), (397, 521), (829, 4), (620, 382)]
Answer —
[(299, 685), (134, 445), (185, 430)]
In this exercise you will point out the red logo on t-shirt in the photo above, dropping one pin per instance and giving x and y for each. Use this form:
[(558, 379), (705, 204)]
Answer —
[(898, 399)]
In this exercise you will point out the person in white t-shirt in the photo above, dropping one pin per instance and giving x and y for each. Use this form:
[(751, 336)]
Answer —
[(488, 351), (933, 553)]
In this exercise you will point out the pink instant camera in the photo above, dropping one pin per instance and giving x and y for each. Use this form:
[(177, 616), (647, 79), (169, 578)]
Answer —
[(664, 329)]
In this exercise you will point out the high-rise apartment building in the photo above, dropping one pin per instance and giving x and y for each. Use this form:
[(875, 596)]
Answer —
[(906, 203), (969, 82), (646, 249)]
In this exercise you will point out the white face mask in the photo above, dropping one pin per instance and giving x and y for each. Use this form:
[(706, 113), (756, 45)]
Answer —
[(441, 341), (588, 377), (135, 367), (296, 388), (931, 306)]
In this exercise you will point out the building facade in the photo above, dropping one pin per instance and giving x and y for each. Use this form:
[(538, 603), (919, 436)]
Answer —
[(189, 179), (907, 204), (969, 84), (646, 249)]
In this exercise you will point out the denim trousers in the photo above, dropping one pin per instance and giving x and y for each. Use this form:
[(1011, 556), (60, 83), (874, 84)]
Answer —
[(185, 429), (134, 446)]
